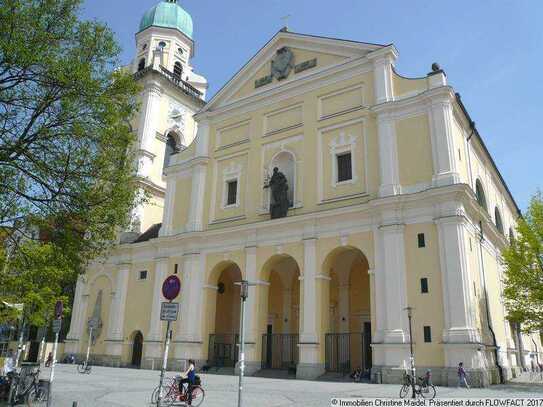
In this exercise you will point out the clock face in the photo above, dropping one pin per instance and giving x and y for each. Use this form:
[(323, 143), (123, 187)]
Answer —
[(176, 116)]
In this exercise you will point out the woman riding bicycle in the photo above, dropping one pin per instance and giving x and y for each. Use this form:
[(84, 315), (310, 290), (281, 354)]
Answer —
[(188, 376)]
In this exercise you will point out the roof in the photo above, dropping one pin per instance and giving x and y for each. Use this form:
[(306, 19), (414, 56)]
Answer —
[(168, 14), (151, 233)]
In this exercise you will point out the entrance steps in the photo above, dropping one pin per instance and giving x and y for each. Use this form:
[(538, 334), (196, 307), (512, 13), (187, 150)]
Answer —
[(339, 377), (226, 371), (275, 374)]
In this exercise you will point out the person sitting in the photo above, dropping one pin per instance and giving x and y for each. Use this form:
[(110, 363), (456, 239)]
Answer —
[(188, 377)]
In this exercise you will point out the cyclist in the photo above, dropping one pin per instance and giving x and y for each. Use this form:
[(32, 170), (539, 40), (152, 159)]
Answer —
[(188, 377)]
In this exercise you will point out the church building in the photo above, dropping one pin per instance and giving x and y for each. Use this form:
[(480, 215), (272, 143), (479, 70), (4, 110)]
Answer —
[(362, 206)]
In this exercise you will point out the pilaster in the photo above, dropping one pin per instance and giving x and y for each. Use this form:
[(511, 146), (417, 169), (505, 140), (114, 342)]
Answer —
[(155, 328), (459, 318), (388, 155), (441, 133), (169, 204), (197, 195), (383, 61), (119, 303)]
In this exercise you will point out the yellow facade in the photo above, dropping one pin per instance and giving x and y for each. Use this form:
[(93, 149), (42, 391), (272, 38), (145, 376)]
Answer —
[(336, 275)]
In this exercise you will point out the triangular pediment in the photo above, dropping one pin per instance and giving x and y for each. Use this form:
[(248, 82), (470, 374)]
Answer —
[(304, 55)]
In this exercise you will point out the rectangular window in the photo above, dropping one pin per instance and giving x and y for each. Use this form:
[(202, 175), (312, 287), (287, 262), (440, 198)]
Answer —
[(142, 275), (232, 192), (427, 334), (424, 285), (421, 240), (175, 269), (344, 167)]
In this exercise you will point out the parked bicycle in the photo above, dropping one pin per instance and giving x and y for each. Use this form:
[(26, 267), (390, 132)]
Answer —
[(171, 393), (31, 392), (423, 387), (84, 368)]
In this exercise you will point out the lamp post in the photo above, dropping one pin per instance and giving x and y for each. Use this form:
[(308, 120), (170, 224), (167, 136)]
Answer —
[(412, 357), (244, 293)]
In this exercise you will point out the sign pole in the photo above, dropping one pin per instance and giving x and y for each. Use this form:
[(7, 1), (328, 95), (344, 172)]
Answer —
[(164, 362), (88, 347), (244, 288), (168, 312)]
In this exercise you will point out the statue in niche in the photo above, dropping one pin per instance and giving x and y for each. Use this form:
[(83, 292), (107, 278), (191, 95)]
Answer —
[(278, 198), (96, 320)]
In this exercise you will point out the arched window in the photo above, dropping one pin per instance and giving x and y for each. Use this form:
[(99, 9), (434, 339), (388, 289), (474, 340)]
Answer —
[(498, 220), (141, 64), (287, 165), (177, 70), (171, 148), (480, 193), (511, 236)]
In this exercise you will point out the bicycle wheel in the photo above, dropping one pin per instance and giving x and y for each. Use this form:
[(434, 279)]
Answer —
[(154, 396), (169, 397), (88, 369), (404, 391), (36, 397), (198, 395), (427, 391)]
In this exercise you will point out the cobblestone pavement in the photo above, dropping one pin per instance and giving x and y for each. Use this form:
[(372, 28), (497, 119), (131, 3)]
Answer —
[(109, 387)]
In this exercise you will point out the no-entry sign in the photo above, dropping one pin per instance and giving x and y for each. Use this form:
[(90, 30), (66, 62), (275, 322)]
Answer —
[(171, 287)]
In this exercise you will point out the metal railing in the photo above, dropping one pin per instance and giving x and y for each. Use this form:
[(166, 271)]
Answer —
[(280, 351), (346, 352), (175, 79), (223, 350)]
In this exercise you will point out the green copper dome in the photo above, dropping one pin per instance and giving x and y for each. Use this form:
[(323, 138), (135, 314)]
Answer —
[(168, 14)]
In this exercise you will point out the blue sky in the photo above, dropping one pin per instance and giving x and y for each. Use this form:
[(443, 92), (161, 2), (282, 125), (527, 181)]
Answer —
[(491, 51)]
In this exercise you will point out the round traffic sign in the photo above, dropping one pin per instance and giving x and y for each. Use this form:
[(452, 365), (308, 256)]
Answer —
[(171, 287), (59, 308)]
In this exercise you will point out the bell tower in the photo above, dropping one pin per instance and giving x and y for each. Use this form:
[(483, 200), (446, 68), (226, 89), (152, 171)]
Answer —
[(172, 93)]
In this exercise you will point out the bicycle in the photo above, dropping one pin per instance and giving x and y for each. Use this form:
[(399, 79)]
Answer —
[(84, 368), (423, 388), (34, 395), (171, 393)]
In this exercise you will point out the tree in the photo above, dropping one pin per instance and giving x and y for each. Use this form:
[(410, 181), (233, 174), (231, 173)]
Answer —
[(67, 172), (65, 135), (523, 261)]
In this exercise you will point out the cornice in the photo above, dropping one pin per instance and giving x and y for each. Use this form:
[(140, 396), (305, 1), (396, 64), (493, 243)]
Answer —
[(363, 217)]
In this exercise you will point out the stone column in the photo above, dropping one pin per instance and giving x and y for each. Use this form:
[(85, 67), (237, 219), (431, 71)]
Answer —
[(388, 155), (189, 338), (310, 365), (153, 341), (441, 133), (252, 358)]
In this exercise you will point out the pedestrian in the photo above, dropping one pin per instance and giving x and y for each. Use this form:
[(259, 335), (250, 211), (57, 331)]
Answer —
[(462, 378), (49, 360)]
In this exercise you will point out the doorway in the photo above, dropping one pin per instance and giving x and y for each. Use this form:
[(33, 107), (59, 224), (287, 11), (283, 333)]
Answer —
[(137, 349)]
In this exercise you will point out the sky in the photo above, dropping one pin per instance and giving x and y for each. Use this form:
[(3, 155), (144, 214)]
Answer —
[(491, 50)]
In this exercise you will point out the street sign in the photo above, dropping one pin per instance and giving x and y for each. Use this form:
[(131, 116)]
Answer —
[(171, 287), (169, 311), (59, 308), (57, 324)]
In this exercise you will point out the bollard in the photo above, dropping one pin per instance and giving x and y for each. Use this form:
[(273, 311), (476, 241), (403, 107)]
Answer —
[(74, 404)]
